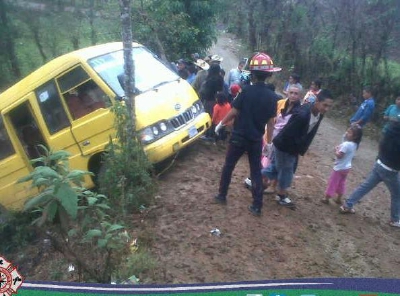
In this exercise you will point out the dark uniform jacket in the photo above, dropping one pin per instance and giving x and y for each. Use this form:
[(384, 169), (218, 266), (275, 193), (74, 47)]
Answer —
[(294, 138)]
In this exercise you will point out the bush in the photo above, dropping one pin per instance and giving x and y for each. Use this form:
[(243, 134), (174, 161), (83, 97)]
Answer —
[(125, 176), (74, 219)]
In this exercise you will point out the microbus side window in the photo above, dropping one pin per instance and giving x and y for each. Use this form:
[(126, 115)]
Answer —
[(52, 109), (6, 148), (81, 94)]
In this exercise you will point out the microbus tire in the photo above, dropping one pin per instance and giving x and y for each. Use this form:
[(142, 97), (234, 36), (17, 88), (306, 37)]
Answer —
[(97, 167)]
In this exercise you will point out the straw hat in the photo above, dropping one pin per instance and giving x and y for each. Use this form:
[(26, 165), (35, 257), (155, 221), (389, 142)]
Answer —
[(202, 64), (216, 58)]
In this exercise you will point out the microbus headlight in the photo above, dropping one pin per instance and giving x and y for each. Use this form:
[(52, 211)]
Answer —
[(163, 127), (155, 131), (146, 135), (198, 106)]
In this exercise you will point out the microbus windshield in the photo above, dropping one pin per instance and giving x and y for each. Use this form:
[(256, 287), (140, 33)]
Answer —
[(149, 72)]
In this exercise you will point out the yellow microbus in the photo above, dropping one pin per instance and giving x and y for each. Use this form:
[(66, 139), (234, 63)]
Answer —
[(65, 105)]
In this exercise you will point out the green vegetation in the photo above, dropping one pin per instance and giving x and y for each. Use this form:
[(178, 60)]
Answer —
[(348, 44), (76, 220), (33, 33), (126, 172)]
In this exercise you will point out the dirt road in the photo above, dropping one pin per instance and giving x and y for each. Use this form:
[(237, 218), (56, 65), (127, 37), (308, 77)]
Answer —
[(313, 241)]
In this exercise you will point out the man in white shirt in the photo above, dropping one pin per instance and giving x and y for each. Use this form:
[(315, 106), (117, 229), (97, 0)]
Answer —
[(234, 74)]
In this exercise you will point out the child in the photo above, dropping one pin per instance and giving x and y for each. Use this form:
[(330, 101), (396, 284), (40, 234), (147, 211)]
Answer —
[(235, 89), (344, 154), (315, 88), (221, 108)]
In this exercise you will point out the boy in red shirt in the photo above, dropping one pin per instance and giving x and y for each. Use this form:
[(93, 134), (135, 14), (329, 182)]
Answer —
[(221, 108)]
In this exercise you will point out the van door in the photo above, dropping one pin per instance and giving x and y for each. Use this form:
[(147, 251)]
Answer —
[(12, 167), (28, 137), (27, 130), (89, 112)]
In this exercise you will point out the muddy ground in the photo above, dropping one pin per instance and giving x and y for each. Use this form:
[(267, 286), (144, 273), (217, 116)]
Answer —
[(313, 241)]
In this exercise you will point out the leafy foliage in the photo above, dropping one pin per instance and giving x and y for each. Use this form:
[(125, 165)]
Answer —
[(126, 175), (35, 33), (181, 26), (349, 44), (75, 220)]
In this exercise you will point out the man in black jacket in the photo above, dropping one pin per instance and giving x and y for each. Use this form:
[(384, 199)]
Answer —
[(294, 140), (386, 170), (254, 107)]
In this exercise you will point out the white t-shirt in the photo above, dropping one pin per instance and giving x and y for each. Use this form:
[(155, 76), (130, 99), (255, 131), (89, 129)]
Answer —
[(344, 163), (313, 121)]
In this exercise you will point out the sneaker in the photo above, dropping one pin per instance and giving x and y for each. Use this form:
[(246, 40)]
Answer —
[(219, 199), (277, 197), (394, 223), (345, 210), (254, 210), (247, 183), (286, 202)]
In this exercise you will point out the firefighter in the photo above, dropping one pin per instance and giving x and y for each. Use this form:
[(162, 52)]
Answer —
[(253, 108)]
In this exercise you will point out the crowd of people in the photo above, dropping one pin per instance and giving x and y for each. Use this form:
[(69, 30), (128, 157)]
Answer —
[(274, 131)]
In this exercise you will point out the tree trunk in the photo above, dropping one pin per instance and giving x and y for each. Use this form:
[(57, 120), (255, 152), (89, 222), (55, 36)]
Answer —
[(36, 37), (93, 37), (252, 26), (129, 67)]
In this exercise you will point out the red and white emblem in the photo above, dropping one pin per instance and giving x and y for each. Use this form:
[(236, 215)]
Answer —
[(10, 279)]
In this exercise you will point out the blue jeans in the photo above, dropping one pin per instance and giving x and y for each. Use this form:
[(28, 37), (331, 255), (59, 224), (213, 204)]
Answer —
[(271, 171), (377, 175), (235, 151), (285, 164)]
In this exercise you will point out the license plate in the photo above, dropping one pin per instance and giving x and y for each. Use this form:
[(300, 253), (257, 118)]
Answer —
[(193, 131)]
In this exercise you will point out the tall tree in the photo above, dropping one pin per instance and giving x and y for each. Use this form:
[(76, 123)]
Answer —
[(129, 66)]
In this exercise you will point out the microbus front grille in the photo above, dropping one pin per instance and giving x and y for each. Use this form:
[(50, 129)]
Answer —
[(182, 119)]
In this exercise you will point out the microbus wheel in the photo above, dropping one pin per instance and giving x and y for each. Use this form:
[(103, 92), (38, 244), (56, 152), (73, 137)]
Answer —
[(97, 167)]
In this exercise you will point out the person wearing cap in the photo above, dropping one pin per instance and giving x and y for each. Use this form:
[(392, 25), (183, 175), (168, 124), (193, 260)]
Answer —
[(213, 84), (234, 90), (216, 59), (253, 108), (201, 74), (386, 169)]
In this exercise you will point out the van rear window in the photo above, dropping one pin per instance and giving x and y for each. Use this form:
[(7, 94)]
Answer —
[(6, 148)]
